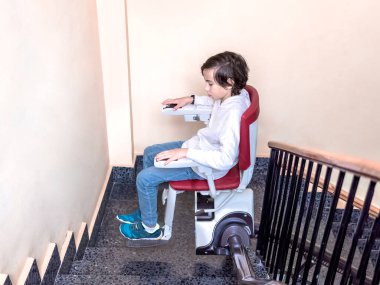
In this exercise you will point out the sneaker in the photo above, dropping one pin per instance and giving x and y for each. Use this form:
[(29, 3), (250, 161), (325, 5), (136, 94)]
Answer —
[(131, 218), (137, 231)]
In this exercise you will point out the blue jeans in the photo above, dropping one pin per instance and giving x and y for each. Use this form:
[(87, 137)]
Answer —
[(150, 177)]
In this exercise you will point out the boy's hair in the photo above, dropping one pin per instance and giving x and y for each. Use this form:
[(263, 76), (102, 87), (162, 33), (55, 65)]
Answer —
[(228, 65)]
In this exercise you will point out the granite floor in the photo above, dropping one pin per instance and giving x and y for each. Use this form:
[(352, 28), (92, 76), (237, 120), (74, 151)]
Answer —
[(110, 261)]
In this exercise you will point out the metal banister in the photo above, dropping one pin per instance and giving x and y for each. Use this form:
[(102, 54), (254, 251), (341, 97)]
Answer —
[(359, 166), (309, 232)]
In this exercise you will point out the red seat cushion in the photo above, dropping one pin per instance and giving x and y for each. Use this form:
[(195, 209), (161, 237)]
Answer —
[(230, 181)]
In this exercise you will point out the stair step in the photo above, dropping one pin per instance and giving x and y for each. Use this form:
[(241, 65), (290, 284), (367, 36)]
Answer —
[(144, 280), (157, 261), (97, 279), (183, 225)]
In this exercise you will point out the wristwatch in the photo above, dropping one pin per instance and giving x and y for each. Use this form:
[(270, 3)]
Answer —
[(192, 96)]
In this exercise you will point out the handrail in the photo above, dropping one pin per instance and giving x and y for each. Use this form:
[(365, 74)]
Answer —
[(302, 221), (358, 202), (362, 167)]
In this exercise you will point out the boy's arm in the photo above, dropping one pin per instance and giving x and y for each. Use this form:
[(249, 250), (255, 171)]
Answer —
[(183, 101), (180, 102)]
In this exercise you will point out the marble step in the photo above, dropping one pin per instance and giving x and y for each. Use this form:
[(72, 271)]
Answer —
[(164, 261), (97, 280), (141, 280), (123, 200), (183, 225)]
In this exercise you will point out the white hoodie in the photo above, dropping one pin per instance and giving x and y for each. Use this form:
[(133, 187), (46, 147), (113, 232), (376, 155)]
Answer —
[(217, 145)]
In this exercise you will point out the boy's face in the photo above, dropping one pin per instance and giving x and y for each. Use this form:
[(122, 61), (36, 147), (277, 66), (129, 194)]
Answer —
[(213, 89)]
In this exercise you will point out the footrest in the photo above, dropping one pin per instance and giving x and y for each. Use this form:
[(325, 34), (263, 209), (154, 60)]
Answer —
[(146, 243)]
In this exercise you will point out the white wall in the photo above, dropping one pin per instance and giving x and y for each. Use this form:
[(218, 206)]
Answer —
[(53, 145), (315, 65)]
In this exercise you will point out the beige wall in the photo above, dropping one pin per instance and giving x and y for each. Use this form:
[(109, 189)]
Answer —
[(315, 64), (53, 145), (115, 66)]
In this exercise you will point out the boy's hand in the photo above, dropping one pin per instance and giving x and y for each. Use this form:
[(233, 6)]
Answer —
[(179, 101), (171, 155)]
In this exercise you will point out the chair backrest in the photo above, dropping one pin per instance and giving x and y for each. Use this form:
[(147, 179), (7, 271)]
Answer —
[(248, 131), (240, 175)]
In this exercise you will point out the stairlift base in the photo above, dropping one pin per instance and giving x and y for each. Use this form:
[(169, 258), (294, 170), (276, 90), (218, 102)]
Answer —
[(235, 216), (227, 214)]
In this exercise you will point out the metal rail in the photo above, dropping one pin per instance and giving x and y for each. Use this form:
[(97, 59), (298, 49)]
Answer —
[(243, 265), (307, 234)]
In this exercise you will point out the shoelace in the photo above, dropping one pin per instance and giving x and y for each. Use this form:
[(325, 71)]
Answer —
[(138, 226)]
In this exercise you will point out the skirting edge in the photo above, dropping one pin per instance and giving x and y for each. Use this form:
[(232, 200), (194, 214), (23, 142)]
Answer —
[(30, 274), (4, 279)]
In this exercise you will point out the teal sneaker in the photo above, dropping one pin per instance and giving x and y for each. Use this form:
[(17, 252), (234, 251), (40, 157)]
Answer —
[(131, 218), (137, 232)]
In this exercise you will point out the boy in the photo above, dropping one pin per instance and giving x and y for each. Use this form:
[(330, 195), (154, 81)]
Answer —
[(216, 145)]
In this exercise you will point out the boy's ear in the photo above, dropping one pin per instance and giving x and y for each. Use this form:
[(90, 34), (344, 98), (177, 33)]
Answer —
[(230, 82)]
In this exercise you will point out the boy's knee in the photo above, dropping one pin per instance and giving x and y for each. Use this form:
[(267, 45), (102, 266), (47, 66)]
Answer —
[(142, 178), (147, 178)]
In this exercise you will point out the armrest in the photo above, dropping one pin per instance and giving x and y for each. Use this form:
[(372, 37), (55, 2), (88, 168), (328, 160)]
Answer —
[(185, 162), (191, 112)]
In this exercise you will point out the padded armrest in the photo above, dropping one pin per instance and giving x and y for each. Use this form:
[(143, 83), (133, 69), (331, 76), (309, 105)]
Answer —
[(184, 162), (188, 110), (191, 112)]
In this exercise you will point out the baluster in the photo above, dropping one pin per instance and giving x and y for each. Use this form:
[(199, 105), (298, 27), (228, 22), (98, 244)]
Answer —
[(360, 278), (288, 223), (282, 203), (342, 230), (262, 241), (307, 223), (273, 216), (318, 223), (359, 231), (292, 218), (299, 222)]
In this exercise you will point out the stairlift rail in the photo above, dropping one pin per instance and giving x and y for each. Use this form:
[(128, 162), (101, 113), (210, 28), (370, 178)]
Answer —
[(243, 265)]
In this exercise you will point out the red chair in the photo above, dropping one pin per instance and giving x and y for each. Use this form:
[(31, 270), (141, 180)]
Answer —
[(223, 206)]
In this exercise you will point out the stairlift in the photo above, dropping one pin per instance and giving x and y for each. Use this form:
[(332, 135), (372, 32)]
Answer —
[(224, 216), (226, 204)]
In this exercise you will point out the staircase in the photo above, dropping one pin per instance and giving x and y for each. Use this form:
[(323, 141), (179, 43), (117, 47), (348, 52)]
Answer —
[(110, 261)]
